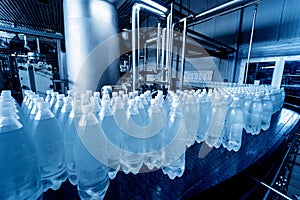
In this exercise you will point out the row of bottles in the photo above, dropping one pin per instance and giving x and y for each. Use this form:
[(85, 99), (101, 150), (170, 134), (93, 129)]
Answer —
[(88, 139)]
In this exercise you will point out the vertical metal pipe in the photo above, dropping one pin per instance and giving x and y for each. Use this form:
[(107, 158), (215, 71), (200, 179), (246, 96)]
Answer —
[(158, 46), (61, 68), (183, 54), (135, 34), (38, 45), (163, 42), (135, 52), (163, 65), (250, 43)]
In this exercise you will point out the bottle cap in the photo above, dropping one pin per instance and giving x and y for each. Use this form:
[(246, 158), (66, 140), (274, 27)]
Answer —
[(96, 94), (114, 94)]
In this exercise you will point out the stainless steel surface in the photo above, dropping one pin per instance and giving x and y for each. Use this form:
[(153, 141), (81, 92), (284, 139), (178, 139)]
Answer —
[(250, 42), (135, 16), (87, 24)]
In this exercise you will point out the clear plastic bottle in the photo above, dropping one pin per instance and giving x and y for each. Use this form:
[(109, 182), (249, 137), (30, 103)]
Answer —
[(204, 102), (25, 99), (267, 112), (20, 178), (58, 105), (53, 100), (245, 106), (69, 132), (132, 159), (190, 113), (33, 112), (92, 175), (234, 124), (48, 140), (64, 113), (96, 106), (31, 104), (218, 116), (173, 160), (254, 118), (143, 112), (152, 145), (113, 133), (226, 102), (48, 96)]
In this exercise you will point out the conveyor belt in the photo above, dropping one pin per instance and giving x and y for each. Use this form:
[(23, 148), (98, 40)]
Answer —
[(201, 174)]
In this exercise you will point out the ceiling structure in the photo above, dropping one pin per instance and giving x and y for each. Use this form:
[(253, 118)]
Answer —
[(38, 15)]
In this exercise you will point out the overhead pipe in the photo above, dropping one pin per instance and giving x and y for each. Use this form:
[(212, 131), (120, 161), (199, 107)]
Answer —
[(152, 8), (222, 9)]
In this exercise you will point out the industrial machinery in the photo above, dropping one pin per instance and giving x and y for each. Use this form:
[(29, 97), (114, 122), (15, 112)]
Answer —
[(35, 74)]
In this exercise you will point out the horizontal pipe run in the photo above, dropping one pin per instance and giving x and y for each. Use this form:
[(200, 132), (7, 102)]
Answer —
[(222, 10)]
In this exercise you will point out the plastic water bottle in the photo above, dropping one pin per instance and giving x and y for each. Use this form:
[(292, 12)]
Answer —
[(25, 99), (96, 106), (33, 112), (273, 100), (232, 138), (20, 178), (175, 133), (132, 159), (53, 100), (267, 112), (254, 118), (58, 105), (31, 104), (113, 133), (191, 116), (64, 113), (24, 108), (204, 102), (48, 140), (143, 112), (218, 116), (92, 175), (227, 100), (69, 132), (245, 106), (152, 145), (48, 96)]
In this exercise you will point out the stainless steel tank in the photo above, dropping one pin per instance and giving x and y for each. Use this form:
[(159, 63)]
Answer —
[(88, 24)]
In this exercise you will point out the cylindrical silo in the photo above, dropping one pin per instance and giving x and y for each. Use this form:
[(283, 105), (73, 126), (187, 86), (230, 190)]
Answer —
[(88, 24)]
